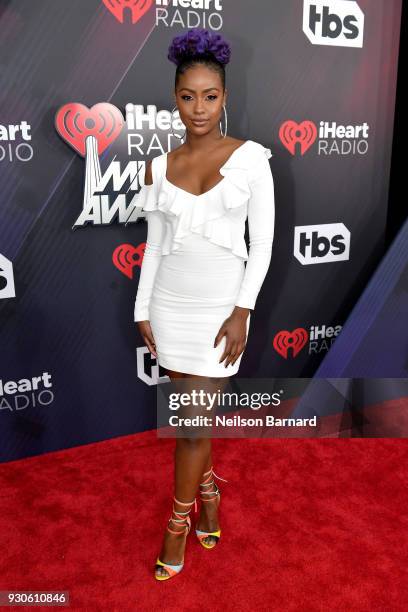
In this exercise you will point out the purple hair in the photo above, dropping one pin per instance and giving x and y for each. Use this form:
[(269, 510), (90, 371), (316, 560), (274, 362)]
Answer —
[(199, 42), (198, 45)]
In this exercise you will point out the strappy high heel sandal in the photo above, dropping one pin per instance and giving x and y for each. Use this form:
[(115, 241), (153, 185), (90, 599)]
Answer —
[(205, 496), (182, 518)]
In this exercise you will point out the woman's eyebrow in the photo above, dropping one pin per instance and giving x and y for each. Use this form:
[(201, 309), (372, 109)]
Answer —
[(194, 91)]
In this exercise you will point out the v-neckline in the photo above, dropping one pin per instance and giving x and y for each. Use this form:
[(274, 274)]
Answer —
[(208, 190)]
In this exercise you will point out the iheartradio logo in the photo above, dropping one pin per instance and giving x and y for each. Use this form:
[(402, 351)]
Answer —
[(31, 391), (128, 9), (294, 340), (89, 131), (332, 138), (169, 12), (320, 338), (16, 142), (111, 192), (125, 257), (101, 124), (292, 133)]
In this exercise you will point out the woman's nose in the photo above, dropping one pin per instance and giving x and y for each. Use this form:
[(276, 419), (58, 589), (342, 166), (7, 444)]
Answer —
[(198, 107)]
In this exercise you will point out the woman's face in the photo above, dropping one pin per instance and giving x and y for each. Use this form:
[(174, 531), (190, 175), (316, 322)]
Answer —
[(199, 97)]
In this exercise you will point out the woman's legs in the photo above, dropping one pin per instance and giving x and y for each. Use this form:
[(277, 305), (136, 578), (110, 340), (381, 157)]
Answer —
[(208, 518), (192, 459)]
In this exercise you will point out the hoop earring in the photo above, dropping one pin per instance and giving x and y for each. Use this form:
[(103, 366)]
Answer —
[(176, 135), (226, 122)]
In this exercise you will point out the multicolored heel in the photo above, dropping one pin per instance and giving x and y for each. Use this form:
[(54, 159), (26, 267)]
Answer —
[(208, 481), (182, 518)]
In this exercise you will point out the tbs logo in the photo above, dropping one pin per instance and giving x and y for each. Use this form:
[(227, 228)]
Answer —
[(333, 22), (325, 243)]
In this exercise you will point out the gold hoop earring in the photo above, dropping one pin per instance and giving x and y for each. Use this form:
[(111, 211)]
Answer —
[(171, 126)]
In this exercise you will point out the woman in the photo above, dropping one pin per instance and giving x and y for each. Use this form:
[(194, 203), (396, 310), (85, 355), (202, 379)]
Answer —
[(195, 293)]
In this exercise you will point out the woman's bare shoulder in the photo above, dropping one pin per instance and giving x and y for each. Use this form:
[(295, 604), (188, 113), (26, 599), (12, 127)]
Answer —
[(230, 144), (148, 178), (236, 141)]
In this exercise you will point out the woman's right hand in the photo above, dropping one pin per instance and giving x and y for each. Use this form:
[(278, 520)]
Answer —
[(147, 335)]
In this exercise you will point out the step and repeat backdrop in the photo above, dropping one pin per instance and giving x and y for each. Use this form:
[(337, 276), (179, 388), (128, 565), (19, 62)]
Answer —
[(85, 100)]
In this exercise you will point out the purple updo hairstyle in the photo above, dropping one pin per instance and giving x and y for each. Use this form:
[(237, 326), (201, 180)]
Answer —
[(199, 46)]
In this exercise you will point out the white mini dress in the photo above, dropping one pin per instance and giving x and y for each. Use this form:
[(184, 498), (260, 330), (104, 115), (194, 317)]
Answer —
[(193, 271)]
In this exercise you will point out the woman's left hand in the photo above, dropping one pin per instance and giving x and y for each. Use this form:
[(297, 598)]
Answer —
[(234, 328)]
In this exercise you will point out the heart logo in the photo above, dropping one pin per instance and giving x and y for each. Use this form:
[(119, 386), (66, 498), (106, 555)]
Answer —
[(75, 122), (295, 340), (291, 132), (137, 8), (125, 257)]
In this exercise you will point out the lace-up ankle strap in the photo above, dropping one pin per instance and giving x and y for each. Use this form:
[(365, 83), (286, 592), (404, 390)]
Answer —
[(208, 482), (212, 473), (182, 518)]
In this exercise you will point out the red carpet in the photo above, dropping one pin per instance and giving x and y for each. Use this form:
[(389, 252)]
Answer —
[(313, 524)]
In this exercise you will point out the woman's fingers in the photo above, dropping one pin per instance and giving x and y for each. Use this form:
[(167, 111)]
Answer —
[(235, 350), (240, 351), (147, 335), (226, 349), (234, 342), (151, 345), (233, 354), (229, 352), (221, 333)]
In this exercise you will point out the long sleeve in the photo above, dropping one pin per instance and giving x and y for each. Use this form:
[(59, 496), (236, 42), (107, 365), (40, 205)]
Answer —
[(151, 260), (261, 224)]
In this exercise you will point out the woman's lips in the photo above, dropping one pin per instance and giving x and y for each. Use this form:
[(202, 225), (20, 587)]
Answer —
[(199, 122)]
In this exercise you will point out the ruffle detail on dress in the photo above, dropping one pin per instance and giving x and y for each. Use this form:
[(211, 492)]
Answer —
[(208, 213), (219, 213), (146, 199)]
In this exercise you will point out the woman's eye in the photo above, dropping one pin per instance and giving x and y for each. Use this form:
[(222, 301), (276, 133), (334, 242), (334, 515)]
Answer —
[(212, 96)]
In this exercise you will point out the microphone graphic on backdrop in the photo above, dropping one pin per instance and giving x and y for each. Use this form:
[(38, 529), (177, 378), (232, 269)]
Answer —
[(89, 131)]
